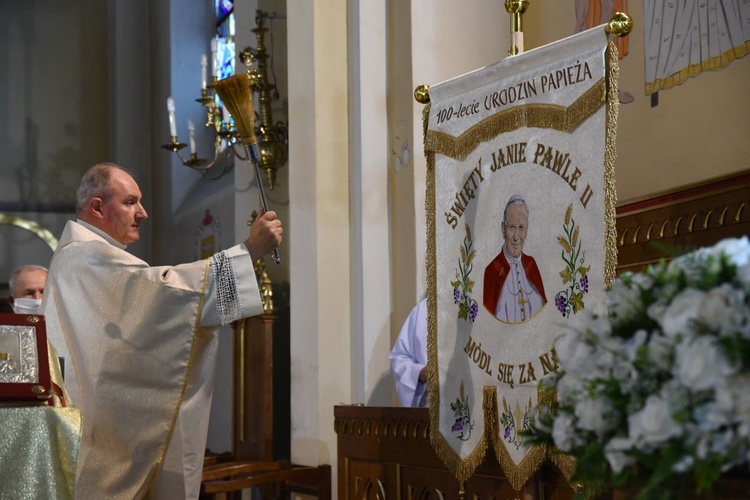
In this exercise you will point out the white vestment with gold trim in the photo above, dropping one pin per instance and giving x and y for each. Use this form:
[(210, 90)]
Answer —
[(140, 347)]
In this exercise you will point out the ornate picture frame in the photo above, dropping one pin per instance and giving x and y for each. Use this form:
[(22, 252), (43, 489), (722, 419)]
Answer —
[(24, 365)]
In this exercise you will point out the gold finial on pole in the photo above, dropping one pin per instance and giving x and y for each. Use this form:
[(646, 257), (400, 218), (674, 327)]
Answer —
[(422, 93), (516, 8), (620, 25)]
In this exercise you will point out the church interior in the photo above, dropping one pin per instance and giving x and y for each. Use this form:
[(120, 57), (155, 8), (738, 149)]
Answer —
[(87, 81)]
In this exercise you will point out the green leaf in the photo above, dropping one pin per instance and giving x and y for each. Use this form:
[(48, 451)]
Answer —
[(577, 302), (566, 275)]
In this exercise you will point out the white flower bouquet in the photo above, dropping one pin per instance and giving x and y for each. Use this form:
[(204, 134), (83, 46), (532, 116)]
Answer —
[(657, 393)]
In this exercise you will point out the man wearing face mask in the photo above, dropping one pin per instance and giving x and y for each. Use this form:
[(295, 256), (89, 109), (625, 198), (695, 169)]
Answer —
[(26, 289)]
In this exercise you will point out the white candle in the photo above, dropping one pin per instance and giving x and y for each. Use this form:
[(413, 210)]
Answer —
[(191, 128), (204, 62), (213, 57), (225, 115), (172, 124)]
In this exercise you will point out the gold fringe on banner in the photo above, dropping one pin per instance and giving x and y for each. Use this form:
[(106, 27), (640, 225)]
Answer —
[(519, 474), (528, 115), (461, 469), (610, 155), (433, 381), (564, 462), (711, 64)]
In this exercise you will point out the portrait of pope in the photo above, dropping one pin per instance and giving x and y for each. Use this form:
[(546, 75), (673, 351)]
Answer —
[(513, 288)]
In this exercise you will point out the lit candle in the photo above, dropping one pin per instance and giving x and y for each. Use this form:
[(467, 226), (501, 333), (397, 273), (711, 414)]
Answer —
[(204, 62), (213, 57), (172, 124), (191, 128)]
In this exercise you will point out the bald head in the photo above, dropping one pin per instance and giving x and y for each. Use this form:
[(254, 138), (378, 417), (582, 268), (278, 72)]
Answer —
[(109, 199)]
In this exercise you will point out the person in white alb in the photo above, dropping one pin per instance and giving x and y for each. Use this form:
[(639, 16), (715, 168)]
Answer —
[(141, 341), (409, 358)]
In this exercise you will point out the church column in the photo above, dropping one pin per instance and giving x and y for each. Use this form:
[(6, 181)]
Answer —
[(448, 39), (319, 224), (405, 147), (370, 219), (131, 133)]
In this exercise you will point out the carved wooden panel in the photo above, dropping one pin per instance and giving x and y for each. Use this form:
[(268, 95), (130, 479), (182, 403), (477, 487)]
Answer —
[(422, 483), (682, 219), (368, 480), (387, 452), (253, 389)]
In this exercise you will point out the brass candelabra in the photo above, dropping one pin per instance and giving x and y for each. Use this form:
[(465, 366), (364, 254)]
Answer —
[(272, 137)]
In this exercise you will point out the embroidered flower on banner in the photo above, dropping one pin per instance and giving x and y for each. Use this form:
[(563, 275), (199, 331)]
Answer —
[(463, 423), (515, 422), (463, 285), (570, 300)]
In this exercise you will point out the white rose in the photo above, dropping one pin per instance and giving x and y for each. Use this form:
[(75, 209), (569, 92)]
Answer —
[(660, 351), (600, 363), (723, 311), (743, 276), (599, 325), (615, 294), (615, 450), (643, 281), (563, 432), (623, 298), (710, 417), (700, 364), (733, 397), (625, 374), (684, 464), (634, 343), (691, 265), (572, 351), (714, 310), (653, 424), (596, 415), (569, 387), (737, 249), (679, 315)]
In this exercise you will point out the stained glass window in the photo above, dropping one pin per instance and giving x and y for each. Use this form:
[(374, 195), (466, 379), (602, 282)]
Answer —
[(224, 37), (225, 50)]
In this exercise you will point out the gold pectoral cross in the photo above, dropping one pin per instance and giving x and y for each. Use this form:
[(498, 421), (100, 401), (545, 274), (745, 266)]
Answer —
[(522, 302)]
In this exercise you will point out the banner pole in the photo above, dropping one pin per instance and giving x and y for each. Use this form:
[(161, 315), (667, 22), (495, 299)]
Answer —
[(516, 8)]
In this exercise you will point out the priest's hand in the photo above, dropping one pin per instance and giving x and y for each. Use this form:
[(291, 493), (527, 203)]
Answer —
[(265, 235)]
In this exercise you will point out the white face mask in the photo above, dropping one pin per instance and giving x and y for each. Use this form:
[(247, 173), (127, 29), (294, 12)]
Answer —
[(27, 306)]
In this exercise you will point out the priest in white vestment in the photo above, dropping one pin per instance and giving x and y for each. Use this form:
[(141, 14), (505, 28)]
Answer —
[(409, 358), (140, 342)]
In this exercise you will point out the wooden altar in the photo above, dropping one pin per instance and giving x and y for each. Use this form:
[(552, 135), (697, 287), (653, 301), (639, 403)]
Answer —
[(386, 453)]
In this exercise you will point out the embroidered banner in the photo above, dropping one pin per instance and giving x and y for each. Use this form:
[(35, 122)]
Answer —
[(684, 39), (521, 237)]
